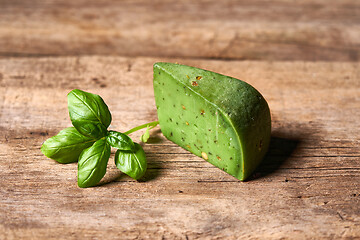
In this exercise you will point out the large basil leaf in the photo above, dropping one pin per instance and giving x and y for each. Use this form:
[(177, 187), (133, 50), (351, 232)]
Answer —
[(120, 140), (66, 146), (92, 163), (88, 113), (132, 163)]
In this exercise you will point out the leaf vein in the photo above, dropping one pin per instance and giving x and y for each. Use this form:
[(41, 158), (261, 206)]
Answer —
[(86, 104)]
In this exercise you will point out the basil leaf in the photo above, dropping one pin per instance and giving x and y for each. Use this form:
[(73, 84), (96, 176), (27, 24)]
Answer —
[(66, 146), (88, 113), (120, 140), (145, 137), (92, 163), (132, 163)]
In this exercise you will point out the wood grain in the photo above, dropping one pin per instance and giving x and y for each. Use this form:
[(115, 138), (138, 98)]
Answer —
[(230, 29), (307, 187)]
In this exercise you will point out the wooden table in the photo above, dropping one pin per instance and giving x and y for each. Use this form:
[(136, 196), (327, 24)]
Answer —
[(302, 56)]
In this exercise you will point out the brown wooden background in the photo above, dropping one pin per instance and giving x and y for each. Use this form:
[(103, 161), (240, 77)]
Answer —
[(303, 56)]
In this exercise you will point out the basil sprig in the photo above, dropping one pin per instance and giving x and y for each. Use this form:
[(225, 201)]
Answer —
[(89, 142)]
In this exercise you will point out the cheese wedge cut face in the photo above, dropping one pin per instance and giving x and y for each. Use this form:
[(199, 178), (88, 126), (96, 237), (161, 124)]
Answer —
[(219, 118)]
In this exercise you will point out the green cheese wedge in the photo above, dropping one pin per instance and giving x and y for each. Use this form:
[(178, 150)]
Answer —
[(219, 118)]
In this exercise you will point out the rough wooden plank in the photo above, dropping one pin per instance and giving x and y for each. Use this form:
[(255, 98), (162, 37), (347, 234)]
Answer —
[(307, 187), (229, 29)]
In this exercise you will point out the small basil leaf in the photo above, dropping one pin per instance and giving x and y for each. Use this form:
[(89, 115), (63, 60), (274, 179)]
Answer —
[(91, 129), (92, 163), (88, 113), (132, 163), (66, 146), (145, 137), (119, 140)]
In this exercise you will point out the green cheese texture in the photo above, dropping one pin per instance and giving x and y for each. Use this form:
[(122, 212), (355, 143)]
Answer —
[(219, 118)]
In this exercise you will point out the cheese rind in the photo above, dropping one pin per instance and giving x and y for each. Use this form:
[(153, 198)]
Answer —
[(219, 118)]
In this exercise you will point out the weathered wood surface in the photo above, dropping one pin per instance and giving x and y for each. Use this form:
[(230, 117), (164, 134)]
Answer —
[(228, 29), (307, 187)]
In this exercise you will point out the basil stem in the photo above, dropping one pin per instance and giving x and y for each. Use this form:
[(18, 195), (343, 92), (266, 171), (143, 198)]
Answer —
[(151, 124)]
